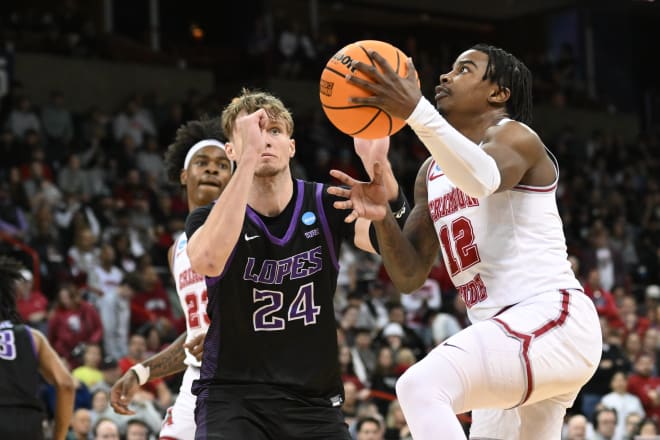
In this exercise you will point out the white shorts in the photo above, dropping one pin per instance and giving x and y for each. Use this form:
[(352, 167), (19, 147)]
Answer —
[(179, 421), (519, 371)]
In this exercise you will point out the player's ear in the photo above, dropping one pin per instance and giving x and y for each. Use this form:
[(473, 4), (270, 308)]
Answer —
[(231, 152), (183, 177), (499, 95), (292, 147)]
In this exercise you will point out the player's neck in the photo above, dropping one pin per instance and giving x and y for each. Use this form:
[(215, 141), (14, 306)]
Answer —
[(474, 126), (270, 195)]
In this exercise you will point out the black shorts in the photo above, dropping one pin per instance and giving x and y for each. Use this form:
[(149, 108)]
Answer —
[(21, 424), (250, 412)]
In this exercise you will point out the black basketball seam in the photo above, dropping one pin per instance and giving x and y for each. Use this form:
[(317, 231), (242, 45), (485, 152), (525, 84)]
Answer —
[(348, 107), (335, 71), (371, 60), (368, 123)]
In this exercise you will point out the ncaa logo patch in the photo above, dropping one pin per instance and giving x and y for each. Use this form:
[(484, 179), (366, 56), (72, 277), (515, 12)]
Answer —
[(182, 244), (309, 218)]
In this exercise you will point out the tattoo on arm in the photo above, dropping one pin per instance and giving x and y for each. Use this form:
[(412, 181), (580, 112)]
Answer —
[(168, 361), (408, 257)]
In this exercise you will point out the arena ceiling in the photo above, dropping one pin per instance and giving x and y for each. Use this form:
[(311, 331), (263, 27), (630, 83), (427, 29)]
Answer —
[(472, 9)]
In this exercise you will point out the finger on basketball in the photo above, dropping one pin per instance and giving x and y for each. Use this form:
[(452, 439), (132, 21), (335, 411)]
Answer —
[(382, 62)]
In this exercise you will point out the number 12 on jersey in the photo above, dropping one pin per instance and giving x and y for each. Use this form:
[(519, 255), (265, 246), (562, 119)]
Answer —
[(461, 233)]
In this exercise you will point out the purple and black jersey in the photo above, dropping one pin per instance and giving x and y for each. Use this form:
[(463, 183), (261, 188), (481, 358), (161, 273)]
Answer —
[(271, 310), (19, 368)]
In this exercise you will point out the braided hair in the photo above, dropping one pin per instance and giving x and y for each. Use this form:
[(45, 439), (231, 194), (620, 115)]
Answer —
[(509, 72), (10, 272), (186, 136)]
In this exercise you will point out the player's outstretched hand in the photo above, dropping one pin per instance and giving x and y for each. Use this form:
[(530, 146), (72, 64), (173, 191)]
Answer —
[(196, 346), (122, 393), (365, 199), (396, 95)]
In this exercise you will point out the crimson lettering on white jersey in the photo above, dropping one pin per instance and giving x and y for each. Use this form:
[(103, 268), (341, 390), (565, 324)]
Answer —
[(500, 249), (191, 288)]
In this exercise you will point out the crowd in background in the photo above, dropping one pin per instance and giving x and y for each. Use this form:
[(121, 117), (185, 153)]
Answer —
[(88, 193)]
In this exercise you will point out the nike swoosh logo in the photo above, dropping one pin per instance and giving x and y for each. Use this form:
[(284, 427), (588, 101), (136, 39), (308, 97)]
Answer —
[(250, 237)]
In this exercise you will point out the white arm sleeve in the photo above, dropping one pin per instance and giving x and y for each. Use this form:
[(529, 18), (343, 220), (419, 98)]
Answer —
[(471, 169)]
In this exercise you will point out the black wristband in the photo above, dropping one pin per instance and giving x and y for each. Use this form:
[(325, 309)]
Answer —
[(400, 209)]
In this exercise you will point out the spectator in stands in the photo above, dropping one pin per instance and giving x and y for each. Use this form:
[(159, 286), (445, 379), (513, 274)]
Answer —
[(23, 118), (74, 321), (57, 125), (89, 372), (39, 189), (395, 423), (31, 304), (603, 257), (369, 428), (149, 160), (105, 429), (602, 298), (111, 373), (101, 408), (383, 380), (605, 422), (622, 401), (13, 221), (363, 352), (81, 425), (151, 306), (647, 430), (133, 121), (72, 178), (644, 384), (156, 390), (612, 360), (576, 428), (136, 429), (411, 339), (632, 424), (83, 256), (113, 302)]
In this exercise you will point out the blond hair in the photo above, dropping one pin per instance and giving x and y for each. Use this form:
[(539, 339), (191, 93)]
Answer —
[(249, 101)]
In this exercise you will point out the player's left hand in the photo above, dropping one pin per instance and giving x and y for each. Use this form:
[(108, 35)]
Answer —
[(122, 393), (365, 199), (196, 346), (395, 95)]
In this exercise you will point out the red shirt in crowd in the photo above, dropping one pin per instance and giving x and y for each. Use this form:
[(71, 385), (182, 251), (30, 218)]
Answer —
[(70, 327), (35, 302)]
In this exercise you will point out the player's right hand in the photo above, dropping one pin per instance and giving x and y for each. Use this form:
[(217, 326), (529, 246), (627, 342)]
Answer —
[(122, 393)]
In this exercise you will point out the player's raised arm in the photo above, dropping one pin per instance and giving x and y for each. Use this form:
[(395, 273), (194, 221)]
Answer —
[(407, 255), (212, 239)]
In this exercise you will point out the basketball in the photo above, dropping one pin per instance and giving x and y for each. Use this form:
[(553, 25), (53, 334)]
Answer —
[(358, 120)]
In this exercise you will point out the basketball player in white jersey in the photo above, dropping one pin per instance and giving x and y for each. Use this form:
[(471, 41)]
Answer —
[(197, 160), (486, 199)]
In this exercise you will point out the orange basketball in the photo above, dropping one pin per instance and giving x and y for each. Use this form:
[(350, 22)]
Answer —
[(358, 120)]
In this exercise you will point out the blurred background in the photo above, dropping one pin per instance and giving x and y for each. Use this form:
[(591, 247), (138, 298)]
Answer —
[(92, 92)]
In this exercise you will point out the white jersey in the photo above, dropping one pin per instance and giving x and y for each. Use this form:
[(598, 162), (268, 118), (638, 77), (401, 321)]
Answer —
[(191, 288), (499, 249)]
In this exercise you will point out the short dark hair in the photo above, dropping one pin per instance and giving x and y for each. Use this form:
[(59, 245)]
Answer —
[(509, 72), (10, 272), (367, 419), (139, 422), (186, 136)]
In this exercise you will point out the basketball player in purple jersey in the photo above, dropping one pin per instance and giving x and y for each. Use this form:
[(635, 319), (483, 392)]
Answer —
[(269, 249)]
